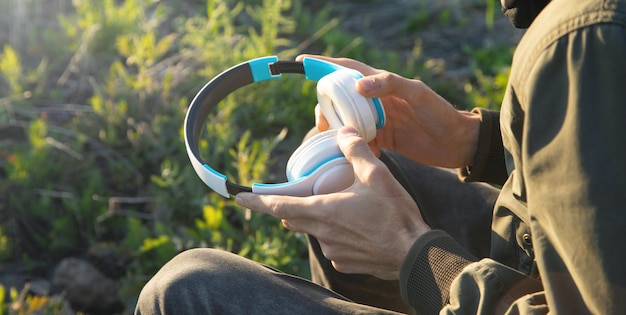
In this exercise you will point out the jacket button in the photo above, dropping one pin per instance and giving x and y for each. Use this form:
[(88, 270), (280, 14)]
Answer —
[(527, 240)]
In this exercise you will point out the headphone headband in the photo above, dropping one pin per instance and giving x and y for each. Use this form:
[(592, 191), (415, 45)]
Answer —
[(252, 71)]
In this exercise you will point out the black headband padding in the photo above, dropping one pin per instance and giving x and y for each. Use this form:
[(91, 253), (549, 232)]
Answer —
[(210, 96), (222, 85), (215, 91), (286, 67)]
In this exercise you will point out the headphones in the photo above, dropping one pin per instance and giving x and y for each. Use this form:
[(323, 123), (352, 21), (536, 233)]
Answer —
[(317, 166)]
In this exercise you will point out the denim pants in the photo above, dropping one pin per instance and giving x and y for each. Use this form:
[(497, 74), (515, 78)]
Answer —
[(209, 281)]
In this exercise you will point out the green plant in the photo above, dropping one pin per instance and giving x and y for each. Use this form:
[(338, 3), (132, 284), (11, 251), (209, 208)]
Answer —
[(21, 303), (6, 246), (419, 19), (491, 70), (490, 10), (11, 69)]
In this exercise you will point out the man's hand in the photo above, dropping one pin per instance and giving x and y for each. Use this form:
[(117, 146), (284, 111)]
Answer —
[(420, 124), (367, 228)]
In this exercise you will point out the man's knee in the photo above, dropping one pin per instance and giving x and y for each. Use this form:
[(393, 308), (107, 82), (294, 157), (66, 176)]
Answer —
[(185, 278)]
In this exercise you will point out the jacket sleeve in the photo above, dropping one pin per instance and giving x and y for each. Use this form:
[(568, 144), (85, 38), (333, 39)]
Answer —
[(438, 273), (489, 164)]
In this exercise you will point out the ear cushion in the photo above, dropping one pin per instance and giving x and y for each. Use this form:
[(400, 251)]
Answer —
[(312, 153), (336, 176), (342, 105)]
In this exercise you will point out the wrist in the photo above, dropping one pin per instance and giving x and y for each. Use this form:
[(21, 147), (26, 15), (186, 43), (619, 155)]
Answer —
[(467, 137)]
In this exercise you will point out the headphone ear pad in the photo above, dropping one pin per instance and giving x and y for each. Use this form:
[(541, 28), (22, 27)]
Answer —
[(313, 153), (342, 105), (320, 159)]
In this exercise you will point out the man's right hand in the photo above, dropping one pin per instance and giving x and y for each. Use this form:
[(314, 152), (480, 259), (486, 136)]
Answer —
[(420, 124)]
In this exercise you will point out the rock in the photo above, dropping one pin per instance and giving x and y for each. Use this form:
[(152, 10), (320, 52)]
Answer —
[(86, 288), (40, 287), (109, 259)]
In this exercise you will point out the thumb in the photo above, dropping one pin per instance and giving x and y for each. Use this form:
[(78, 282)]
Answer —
[(388, 83), (356, 150)]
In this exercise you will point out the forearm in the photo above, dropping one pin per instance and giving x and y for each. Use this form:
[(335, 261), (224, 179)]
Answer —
[(467, 134)]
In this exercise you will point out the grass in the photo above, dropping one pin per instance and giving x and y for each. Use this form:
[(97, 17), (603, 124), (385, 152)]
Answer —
[(91, 109)]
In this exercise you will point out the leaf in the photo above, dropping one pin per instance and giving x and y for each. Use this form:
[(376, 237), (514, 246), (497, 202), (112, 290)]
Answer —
[(11, 68), (36, 303), (37, 133), (213, 217), (153, 243)]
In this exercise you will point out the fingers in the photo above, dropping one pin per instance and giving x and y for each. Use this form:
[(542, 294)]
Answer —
[(378, 83), (299, 214), (282, 207), (387, 83), (320, 120), (357, 151), (436, 115)]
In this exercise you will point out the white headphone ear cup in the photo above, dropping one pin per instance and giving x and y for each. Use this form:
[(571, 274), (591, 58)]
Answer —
[(312, 153), (342, 105), (320, 160)]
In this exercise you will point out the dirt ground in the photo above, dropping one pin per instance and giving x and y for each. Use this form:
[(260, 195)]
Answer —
[(443, 27)]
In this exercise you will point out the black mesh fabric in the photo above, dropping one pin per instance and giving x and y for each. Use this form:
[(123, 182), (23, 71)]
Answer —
[(434, 268)]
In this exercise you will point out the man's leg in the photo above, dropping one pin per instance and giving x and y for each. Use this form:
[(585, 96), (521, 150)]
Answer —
[(463, 210), (205, 281), (210, 281)]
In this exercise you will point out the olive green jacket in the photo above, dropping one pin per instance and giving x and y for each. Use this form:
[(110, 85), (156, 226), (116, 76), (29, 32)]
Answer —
[(559, 225)]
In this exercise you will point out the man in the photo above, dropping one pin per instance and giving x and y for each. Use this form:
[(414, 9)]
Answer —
[(557, 239)]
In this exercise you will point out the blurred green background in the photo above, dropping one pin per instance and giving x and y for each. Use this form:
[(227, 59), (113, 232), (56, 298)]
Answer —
[(92, 100)]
